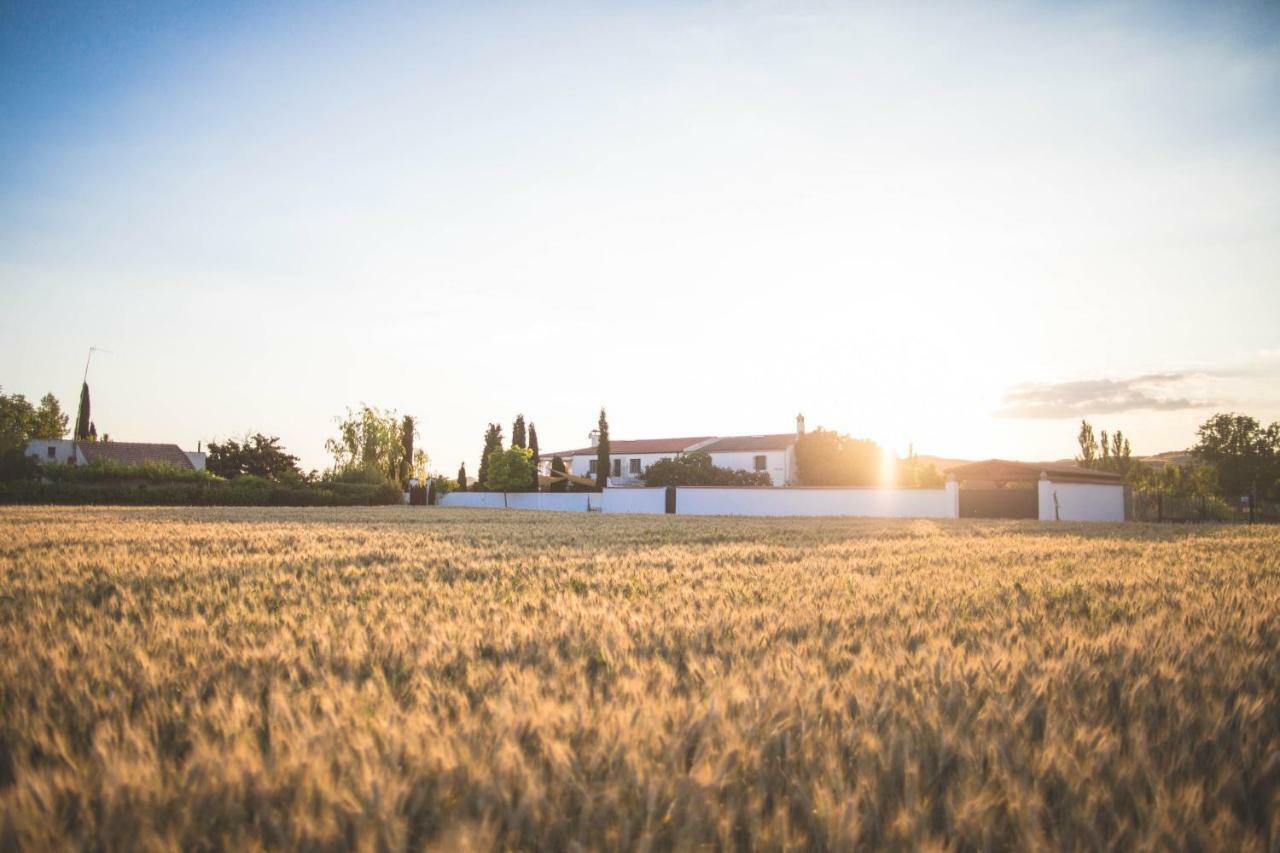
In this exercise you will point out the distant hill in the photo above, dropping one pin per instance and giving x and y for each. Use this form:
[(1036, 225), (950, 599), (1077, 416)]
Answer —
[(1157, 460)]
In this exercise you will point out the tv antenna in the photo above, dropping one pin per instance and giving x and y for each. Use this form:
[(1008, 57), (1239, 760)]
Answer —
[(83, 382)]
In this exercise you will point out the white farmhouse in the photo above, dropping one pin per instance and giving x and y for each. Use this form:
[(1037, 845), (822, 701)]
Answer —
[(67, 452), (772, 454)]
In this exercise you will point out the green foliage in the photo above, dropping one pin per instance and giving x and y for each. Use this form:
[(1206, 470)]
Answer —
[(103, 470), (518, 437), (16, 465), (828, 458), (558, 467), (533, 448), (1245, 454), (50, 421), (17, 422), (373, 439), (83, 424), (243, 491), (442, 484), (696, 469), (602, 451), (492, 442), (406, 447), (1088, 445), (259, 455), (509, 470), (462, 477), (913, 474)]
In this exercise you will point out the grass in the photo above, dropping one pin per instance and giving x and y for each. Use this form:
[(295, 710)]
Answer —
[(405, 678)]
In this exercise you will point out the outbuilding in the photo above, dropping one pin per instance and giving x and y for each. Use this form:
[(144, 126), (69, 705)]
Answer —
[(999, 488)]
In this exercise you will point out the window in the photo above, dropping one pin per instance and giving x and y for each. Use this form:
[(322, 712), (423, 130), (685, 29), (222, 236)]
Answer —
[(635, 466), (762, 462), (591, 468), (53, 452), (617, 467)]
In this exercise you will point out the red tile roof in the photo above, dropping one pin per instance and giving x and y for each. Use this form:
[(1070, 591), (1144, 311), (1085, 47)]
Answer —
[(642, 445), (750, 443), (134, 453)]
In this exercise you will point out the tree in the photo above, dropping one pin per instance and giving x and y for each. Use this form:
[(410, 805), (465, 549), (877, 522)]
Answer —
[(914, 474), (533, 446), (259, 455), (406, 446), (369, 439), (602, 451), (462, 477), (518, 438), (50, 421), (17, 421), (697, 469), (509, 469), (82, 418), (828, 458), (1245, 454), (1088, 446), (492, 442), (557, 467)]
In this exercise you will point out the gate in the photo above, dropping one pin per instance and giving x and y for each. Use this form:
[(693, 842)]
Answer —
[(999, 503)]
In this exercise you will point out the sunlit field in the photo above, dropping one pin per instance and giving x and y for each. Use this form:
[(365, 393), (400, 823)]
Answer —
[(405, 678)]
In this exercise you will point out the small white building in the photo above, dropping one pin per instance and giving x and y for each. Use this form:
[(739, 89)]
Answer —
[(64, 451), (628, 458)]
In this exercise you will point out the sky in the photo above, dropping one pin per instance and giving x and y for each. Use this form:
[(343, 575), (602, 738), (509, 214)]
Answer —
[(957, 228)]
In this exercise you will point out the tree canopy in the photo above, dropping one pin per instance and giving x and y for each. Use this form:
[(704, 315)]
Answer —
[(258, 454), (509, 470), (1245, 454), (828, 458), (372, 440), (697, 469)]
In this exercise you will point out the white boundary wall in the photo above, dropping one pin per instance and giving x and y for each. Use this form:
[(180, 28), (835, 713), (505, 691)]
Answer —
[(652, 500), (551, 501), (869, 503), (1081, 501)]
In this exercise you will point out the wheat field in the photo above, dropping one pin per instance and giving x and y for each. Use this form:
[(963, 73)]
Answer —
[(421, 678)]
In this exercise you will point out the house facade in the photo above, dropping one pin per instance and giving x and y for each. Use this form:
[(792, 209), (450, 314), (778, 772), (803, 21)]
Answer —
[(64, 451), (771, 454)]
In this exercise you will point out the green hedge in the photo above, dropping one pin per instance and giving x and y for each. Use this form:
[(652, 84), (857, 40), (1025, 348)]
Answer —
[(241, 492)]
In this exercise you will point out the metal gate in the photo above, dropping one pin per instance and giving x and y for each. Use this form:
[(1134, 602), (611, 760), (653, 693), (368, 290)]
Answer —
[(999, 503)]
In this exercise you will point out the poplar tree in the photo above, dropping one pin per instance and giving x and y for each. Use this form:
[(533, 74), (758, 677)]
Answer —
[(492, 442), (602, 452), (518, 437), (462, 477), (533, 445)]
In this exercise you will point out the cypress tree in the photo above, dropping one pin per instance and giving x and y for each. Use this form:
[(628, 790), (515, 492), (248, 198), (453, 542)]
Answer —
[(518, 438), (82, 419), (406, 444), (533, 445), (602, 452), (462, 477), (492, 442)]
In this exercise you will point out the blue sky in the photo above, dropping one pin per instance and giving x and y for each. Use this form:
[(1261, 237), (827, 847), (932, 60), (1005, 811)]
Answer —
[(962, 227)]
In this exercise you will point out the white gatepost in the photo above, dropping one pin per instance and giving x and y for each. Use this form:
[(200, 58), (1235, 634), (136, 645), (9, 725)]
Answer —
[(953, 496), (1046, 498)]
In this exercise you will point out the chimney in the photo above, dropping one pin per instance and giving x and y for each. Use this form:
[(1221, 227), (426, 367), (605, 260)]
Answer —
[(799, 425), (595, 438)]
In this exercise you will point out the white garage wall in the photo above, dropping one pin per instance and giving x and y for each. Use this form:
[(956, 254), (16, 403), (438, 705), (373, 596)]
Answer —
[(635, 500), (871, 503), (1081, 501)]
